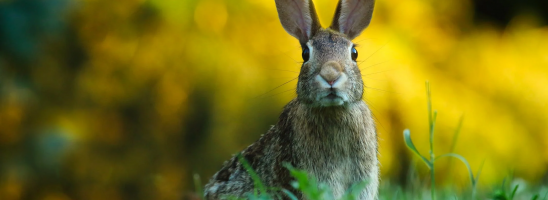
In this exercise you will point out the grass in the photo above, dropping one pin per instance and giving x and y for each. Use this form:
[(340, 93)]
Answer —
[(510, 188), (305, 183), (431, 162)]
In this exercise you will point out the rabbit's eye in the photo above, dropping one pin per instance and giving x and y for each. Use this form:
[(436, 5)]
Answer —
[(306, 54), (354, 54)]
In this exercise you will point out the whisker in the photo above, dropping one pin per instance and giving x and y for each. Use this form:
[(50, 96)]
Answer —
[(373, 113), (276, 87), (286, 53), (297, 61), (280, 93), (369, 78), (362, 40), (375, 64), (283, 70), (284, 78), (373, 53), (377, 89), (378, 72)]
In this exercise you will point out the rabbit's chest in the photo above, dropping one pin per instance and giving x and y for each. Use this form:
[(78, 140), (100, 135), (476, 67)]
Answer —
[(335, 162), (339, 176)]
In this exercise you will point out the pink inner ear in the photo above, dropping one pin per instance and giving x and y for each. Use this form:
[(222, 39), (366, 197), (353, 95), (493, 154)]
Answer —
[(352, 15), (348, 19), (299, 16)]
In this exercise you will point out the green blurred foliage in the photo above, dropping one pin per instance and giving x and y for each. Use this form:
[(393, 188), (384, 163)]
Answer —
[(128, 99)]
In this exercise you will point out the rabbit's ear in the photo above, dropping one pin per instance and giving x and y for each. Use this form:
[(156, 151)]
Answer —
[(352, 16), (298, 18)]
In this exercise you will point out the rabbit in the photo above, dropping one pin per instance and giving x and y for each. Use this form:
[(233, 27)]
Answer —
[(327, 130)]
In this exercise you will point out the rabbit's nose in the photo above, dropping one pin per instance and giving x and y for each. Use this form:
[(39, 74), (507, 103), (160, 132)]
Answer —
[(330, 72)]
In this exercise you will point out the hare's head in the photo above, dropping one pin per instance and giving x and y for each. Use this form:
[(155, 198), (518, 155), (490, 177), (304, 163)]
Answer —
[(329, 75)]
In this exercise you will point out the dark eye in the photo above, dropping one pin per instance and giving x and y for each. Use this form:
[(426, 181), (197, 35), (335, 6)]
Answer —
[(306, 54), (354, 53)]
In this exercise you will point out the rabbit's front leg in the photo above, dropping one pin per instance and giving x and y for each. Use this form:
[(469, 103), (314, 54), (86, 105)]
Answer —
[(370, 192)]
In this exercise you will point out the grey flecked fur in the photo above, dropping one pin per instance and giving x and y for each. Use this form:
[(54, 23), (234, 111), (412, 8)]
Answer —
[(328, 130)]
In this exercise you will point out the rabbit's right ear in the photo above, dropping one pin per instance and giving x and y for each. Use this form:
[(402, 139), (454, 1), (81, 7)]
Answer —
[(298, 18)]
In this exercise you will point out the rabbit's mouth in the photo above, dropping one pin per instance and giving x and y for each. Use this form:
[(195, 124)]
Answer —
[(332, 99), (332, 96)]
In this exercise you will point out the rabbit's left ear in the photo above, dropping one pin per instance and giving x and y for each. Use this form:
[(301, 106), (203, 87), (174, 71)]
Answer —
[(352, 16), (298, 18)]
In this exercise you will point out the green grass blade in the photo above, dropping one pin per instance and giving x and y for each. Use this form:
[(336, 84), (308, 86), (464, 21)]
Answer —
[(454, 143), (307, 185), (431, 116), (256, 179), (355, 191), (432, 126), (478, 174), (463, 161), (289, 194), (432, 122), (514, 192), (198, 185), (396, 195), (456, 134), (410, 145)]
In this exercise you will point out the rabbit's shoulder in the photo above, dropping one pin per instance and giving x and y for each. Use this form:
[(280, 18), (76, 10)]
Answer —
[(257, 155)]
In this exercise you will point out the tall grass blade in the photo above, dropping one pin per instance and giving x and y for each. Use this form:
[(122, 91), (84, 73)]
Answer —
[(454, 143), (289, 194), (431, 116), (198, 185), (514, 192), (432, 122), (474, 187), (256, 179), (470, 174), (396, 195), (308, 185), (456, 134)]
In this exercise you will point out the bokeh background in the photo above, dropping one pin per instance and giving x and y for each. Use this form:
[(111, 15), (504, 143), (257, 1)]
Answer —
[(104, 99)]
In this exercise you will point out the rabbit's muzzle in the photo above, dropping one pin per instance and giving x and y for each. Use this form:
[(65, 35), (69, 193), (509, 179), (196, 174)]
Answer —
[(331, 82)]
